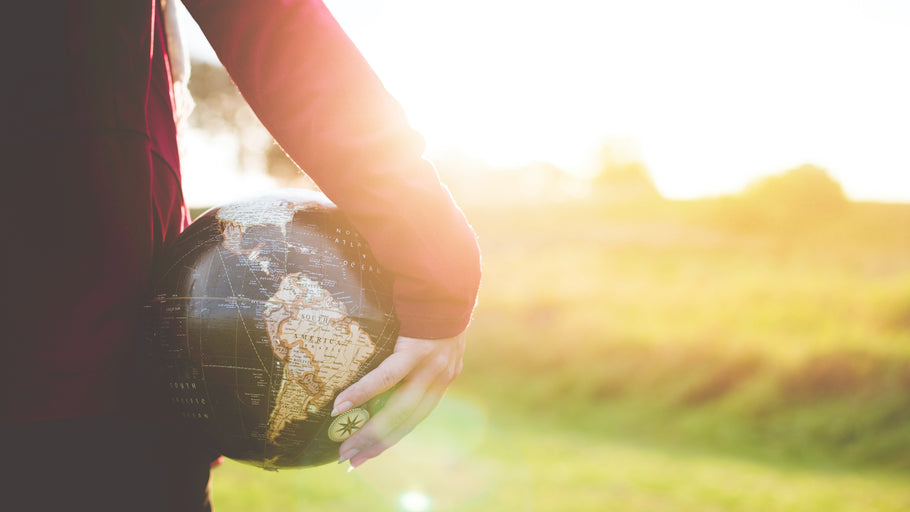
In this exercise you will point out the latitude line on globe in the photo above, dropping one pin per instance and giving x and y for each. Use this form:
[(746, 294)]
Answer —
[(230, 367)]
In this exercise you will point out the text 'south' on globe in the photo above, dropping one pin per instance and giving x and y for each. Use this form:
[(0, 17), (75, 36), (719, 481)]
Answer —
[(264, 310)]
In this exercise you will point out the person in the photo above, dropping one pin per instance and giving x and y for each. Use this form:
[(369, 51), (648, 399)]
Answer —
[(93, 194)]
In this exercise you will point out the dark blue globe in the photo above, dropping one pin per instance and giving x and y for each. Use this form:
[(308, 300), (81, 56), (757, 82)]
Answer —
[(264, 310)]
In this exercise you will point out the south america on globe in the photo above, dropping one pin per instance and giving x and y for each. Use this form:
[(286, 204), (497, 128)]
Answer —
[(263, 311)]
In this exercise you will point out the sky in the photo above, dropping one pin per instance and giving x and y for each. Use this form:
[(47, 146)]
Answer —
[(709, 94)]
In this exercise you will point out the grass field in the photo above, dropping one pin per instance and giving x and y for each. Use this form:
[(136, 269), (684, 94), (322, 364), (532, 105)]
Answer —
[(466, 459), (657, 357)]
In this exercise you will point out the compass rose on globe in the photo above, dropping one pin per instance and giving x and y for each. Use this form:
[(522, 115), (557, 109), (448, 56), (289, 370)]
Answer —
[(347, 423)]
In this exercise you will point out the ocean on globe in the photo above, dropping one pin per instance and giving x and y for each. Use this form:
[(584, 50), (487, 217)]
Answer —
[(264, 310)]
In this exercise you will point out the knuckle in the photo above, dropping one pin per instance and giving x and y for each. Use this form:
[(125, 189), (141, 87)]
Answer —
[(445, 367), (368, 434), (376, 449), (398, 418), (385, 379), (439, 362), (389, 422), (422, 348), (354, 393), (453, 373)]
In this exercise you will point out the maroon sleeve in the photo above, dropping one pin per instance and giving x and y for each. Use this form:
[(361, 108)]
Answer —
[(321, 101)]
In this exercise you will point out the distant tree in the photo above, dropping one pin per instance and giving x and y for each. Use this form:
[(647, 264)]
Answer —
[(221, 110), (807, 187), (797, 201), (622, 177), (219, 105)]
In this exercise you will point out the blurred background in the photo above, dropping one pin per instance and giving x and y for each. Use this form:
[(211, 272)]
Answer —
[(695, 221)]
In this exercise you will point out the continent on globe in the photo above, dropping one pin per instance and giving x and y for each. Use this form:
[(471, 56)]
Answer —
[(237, 218), (319, 346)]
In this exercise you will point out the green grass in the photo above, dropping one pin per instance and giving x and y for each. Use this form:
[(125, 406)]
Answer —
[(792, 342), (658, 357), (466, 458)]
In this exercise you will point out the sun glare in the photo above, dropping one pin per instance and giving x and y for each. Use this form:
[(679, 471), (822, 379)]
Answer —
[(414, 501), (713, 93)]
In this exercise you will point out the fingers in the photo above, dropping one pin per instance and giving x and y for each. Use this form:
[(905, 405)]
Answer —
[(423, 371), (381, 379), (400, 416)]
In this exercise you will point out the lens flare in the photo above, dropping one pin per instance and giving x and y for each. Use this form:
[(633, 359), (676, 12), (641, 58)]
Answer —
[(414, 501), (445, 463)]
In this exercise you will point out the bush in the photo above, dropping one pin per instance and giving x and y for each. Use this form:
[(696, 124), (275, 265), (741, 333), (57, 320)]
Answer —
[(805, 189), (799, 200)]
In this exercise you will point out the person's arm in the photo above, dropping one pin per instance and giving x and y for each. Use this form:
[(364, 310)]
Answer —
[(323, 104)]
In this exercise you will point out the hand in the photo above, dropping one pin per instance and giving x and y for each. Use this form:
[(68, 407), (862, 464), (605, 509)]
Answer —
[(425, 368)]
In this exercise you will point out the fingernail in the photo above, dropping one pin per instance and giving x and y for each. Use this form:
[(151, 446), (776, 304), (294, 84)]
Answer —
[(347, 455), (342, 407)]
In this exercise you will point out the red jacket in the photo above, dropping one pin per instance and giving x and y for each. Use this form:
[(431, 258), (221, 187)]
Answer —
[(89, 138)]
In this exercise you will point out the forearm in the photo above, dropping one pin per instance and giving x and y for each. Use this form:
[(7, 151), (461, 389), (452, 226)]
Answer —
[(319, 98)]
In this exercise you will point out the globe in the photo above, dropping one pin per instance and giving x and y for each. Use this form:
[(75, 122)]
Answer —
[(264, 310)]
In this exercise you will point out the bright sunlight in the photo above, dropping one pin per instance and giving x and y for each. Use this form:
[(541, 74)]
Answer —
[(712, 94)]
